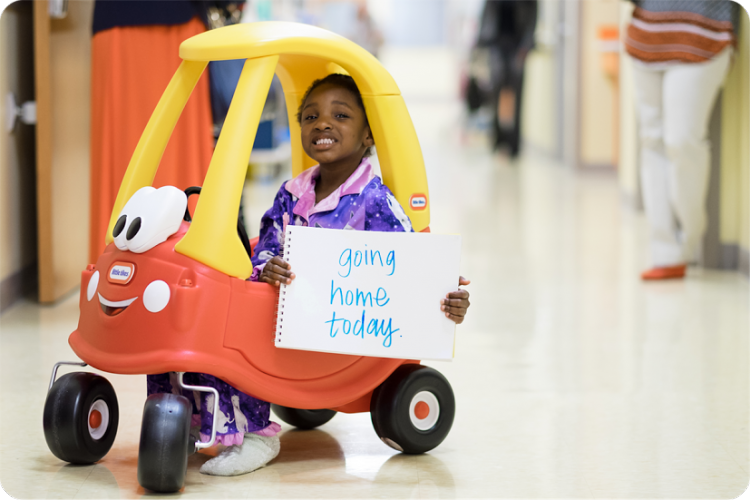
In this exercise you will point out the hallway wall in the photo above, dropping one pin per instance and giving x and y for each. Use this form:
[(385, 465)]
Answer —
[(17, 179), (735, 153), (627, 167), (539, 105), (538, 121), (62, 61), (599, 109)]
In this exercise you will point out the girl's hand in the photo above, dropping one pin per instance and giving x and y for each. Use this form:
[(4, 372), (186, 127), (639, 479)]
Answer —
[(276, 272), (456, 303)]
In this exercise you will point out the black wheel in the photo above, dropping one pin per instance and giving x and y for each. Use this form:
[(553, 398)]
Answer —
[(303, 419), (412, 411), (165, 442), (80, 417)]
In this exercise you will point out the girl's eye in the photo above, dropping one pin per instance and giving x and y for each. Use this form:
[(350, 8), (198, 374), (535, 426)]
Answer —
[(342, 115), (310, 117)]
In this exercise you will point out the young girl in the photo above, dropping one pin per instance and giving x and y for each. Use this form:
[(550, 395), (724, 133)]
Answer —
[(341, 192)]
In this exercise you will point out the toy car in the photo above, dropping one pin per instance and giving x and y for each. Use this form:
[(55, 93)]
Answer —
[(171, 295)]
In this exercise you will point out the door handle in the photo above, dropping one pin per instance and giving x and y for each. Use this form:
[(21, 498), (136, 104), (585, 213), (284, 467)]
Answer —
[(58, 9)]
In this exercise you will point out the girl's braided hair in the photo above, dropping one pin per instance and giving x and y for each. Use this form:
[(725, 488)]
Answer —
[(339, 80)]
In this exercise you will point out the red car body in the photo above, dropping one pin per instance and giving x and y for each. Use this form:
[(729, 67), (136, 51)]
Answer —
[(214, 324)]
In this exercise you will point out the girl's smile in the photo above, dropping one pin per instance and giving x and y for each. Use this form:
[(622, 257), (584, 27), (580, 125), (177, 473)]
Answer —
[(323, 142)]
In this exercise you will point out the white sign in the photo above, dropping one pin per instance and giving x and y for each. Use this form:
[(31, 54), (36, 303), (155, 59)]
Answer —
[(368, 293)]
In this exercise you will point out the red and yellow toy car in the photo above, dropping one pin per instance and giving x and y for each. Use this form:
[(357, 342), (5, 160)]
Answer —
[(170, 294)]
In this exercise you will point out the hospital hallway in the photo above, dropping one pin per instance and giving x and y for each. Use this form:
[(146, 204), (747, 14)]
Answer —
[(573, 378)]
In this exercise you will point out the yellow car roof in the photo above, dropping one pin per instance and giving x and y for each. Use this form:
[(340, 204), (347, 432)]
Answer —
[(250, 41), (298, 54)]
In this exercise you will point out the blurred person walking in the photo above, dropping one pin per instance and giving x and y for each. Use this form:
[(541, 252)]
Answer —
[(682, 52), (507, 31), (134, 53), (365, 33)]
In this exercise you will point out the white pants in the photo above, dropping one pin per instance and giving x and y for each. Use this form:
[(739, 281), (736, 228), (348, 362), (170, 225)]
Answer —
[(674, 106)]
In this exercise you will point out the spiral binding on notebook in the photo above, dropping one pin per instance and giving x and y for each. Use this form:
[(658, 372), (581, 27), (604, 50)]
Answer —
[(286, 254)]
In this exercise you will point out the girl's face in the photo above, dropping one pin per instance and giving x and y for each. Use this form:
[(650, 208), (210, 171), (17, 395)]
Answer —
[(334, 128)]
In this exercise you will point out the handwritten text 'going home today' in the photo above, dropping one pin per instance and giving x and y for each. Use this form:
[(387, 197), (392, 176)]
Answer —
[(361, 298)]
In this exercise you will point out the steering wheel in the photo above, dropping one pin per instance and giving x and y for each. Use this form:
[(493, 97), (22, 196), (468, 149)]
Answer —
[(241, 232)]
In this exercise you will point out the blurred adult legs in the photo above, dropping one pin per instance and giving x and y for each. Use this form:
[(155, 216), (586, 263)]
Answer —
[(506, 108), (674, 106), (507, 76), (515, 137)]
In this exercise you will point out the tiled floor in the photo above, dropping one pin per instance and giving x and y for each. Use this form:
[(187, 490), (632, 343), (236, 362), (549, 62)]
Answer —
[(573, 379)]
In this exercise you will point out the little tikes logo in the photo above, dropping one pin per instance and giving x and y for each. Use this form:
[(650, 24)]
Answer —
[(121, 273), (418, 201)]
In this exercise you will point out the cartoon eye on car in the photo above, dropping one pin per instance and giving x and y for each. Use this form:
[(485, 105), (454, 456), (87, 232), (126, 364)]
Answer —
[(170, 292)]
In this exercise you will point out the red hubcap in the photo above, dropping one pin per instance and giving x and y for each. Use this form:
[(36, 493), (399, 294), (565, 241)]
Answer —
[(421, 410), (95, 419)]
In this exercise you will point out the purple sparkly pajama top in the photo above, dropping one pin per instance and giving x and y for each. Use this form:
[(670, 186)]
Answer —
[(362, 203)]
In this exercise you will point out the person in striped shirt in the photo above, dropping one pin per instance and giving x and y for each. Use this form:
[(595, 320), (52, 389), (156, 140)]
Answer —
[(682, 51)]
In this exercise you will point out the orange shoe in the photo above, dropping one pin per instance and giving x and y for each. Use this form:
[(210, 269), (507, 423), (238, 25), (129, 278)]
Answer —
[(664, 273)]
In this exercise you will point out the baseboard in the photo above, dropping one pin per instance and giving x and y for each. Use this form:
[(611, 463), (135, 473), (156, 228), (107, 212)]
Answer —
[(729, 256), (744, 261), (18, 285), (597, 167)]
